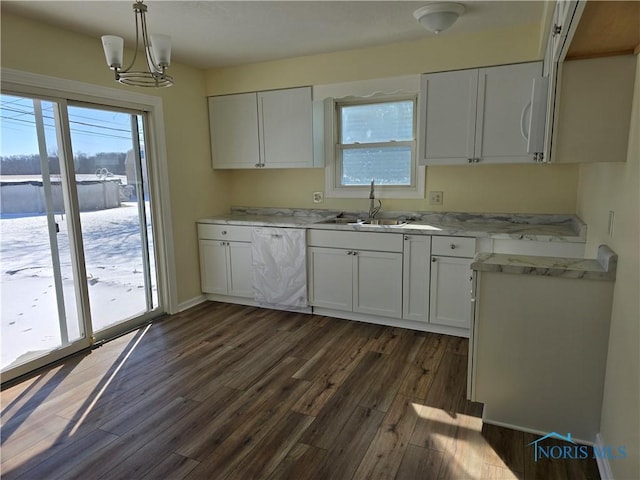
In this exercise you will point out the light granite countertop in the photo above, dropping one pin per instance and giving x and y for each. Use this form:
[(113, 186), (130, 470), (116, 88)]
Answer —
[(545, 227), (601, 268)]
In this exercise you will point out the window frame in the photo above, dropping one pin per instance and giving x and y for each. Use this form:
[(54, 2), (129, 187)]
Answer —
[(334, 169)]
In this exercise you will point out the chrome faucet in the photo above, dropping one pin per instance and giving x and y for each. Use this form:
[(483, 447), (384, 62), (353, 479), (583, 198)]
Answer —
[(373, 210)]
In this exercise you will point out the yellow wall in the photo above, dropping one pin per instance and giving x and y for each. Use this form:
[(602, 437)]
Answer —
[(488, 188), (476, 188), (616, 187), (195, 189)]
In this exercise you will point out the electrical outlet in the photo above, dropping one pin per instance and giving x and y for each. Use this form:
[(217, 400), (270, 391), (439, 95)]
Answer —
[(435, 198), (318, 197)]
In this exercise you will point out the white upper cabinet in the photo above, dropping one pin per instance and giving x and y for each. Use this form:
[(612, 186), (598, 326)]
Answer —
[(286, 130), (504, 113), (479, 115), (233, 120), (271, 129), (562, 23), (591, 85), (447, 115)]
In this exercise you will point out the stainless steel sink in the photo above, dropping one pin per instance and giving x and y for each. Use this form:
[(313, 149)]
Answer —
[(384, 221), (341, 221), (358, 221)]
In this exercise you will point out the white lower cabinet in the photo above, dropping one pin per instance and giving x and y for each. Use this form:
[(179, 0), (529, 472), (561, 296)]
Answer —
[(450, 291), (347, 278), (356, 281), (331, 278), (377, 284), (416, 276), (225, 260), (451, 281), (225, 268)]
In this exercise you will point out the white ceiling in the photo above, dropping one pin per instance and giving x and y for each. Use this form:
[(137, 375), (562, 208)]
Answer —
[(209, 34)]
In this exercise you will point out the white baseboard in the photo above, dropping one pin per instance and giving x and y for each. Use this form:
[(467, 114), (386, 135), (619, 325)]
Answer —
[(604, 467), (191, 303), (522, 428)]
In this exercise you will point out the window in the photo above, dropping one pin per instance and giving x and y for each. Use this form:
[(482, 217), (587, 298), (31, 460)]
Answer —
[(375, 139)]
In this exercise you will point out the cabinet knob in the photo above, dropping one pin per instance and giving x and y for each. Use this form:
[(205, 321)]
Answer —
[(557, 29), (434, 259), (222, 244), (452, 246), (224, 232), (406, 237), (258, 165), (470, 160)]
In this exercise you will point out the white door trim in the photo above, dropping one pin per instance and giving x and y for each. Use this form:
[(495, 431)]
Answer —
[(31, 83)]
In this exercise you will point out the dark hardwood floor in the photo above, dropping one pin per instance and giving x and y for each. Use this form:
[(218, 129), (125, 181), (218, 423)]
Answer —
[(230, 392)]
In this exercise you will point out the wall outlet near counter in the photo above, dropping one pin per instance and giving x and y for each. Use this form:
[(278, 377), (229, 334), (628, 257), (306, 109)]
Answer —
[(435, 198), (318, 197)]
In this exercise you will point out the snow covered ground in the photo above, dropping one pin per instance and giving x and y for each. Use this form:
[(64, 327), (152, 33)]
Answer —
[(29, 312)]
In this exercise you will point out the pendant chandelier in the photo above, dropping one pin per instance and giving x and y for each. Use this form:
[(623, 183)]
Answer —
[(157, 52)]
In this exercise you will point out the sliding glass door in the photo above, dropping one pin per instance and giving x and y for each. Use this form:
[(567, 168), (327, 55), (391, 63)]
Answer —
[(115, 215), (77, 254), (39, 290)]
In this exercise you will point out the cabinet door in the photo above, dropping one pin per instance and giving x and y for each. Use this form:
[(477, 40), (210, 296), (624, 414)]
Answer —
[(504, 110), (213, 266), (331, 278), (286, 128), (450, 302), (416, 276), (562, 19), (233, 122), (240, 278), (378, 283), (448, 117)]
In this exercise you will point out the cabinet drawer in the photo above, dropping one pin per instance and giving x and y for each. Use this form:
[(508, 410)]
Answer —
[(385, 242), (453, 246), (232, 233)]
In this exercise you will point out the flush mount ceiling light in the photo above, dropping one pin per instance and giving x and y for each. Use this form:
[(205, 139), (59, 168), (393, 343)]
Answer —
[(437, 17), (157, 51)]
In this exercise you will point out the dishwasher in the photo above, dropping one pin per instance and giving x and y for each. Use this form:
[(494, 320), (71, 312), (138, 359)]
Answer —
[(280, 268)]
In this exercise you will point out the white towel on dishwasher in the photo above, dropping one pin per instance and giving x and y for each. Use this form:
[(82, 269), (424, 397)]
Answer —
[(279, 266)]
